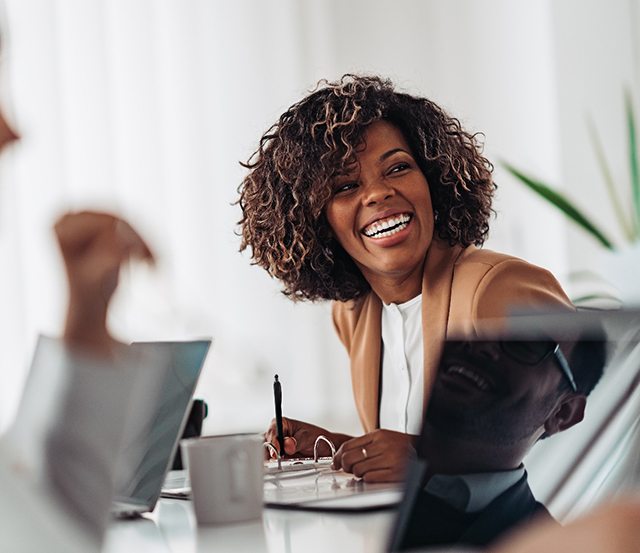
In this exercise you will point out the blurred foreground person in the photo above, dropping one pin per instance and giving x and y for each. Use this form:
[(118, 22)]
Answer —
[(58, 460), (491, 403)]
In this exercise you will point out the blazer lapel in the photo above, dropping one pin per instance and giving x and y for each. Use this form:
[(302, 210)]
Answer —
[(367, 337), (436, 300), (366, 360)]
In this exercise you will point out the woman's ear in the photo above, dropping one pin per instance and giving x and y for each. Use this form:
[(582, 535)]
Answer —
[(568, 412)]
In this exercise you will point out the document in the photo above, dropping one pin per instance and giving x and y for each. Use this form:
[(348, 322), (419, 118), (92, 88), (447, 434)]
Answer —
[(315, 486), (305, 484)]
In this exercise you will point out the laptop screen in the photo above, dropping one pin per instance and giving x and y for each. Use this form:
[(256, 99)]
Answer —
[(65, 441), (151, 444)]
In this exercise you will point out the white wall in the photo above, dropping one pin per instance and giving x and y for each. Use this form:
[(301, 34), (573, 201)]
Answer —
[(147, 106), (490, 64), (597, 58)]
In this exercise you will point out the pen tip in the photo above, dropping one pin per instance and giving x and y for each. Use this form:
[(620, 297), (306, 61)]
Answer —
[(276, 378)]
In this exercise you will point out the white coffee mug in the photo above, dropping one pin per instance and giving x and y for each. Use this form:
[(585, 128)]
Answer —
[(226, 474)]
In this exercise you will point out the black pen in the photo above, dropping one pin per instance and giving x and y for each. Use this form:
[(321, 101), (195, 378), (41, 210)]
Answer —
[(277, 395)]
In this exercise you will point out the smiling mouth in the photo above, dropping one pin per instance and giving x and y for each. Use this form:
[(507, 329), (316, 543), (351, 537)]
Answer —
[(388, 226), (471, 376)]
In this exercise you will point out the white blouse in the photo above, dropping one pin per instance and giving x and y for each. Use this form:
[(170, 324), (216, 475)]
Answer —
[(402, 396)]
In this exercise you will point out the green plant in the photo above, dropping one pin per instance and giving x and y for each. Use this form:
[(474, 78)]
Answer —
[(629, 222)]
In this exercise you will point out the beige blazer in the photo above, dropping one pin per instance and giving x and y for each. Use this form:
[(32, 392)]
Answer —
[(461, 287)]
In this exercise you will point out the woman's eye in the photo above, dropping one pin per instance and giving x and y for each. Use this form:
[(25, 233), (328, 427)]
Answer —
[(344, 187), (398, 167)]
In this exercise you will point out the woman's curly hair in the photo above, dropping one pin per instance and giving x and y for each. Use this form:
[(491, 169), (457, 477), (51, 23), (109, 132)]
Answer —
[(284, 195)]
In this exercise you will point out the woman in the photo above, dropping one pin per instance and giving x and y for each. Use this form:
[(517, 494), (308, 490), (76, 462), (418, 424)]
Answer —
[(376, 200)]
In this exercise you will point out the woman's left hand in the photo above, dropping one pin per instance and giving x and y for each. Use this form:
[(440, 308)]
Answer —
[(379, 456)]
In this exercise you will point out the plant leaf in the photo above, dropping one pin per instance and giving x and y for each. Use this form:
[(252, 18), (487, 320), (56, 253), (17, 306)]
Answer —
[(633, 161), (627, 227), (562, 203)]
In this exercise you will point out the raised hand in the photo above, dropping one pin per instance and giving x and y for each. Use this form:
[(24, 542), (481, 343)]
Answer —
[(94, 246)]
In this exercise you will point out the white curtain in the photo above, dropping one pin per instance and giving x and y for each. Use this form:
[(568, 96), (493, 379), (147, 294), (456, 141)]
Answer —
[(145, 107)]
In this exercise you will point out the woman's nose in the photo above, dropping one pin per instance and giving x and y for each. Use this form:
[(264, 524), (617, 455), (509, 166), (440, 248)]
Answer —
[(376, 191)]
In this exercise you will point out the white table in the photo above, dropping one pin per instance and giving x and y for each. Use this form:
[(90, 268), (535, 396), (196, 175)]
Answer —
[(172, 528)]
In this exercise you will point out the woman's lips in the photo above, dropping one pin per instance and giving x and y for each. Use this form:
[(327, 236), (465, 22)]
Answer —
[(387, 226)]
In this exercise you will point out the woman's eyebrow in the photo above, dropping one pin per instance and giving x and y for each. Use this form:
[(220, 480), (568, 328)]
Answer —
[(391, 152), (347, 171)]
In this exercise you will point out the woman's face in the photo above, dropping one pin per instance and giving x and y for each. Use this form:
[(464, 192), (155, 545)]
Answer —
[(381, 212)]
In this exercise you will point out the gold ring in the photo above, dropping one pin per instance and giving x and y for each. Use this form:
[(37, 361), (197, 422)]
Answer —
[(364, 452)]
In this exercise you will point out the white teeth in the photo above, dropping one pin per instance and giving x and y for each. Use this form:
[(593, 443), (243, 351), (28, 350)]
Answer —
[(387, 227), (471, 375)]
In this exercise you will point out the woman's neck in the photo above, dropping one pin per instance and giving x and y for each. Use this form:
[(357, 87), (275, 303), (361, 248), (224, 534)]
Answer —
[(396, 288)]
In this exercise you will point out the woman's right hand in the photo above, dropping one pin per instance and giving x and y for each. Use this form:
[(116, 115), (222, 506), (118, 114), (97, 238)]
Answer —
[(299, 438)]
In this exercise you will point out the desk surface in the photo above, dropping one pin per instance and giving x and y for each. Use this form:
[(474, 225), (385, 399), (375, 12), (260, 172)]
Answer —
[(172, 528)]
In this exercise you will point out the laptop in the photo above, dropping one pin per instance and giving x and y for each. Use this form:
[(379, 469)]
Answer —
[(61, 453), (145, 468)]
